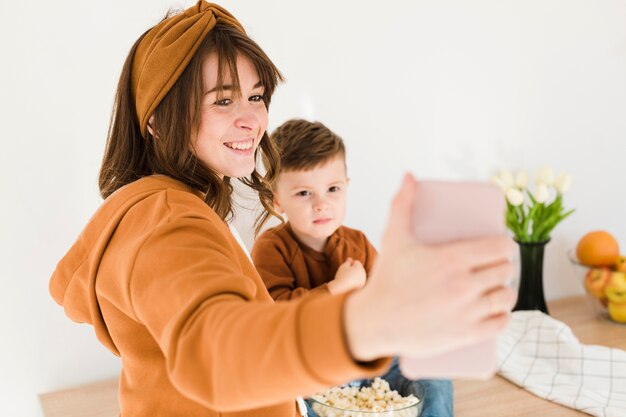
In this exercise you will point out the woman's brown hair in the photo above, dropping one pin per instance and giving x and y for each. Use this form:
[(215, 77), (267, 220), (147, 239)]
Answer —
[(128, 156)]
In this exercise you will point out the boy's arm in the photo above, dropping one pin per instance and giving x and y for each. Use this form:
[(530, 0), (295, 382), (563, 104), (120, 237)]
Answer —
[(275, 264)]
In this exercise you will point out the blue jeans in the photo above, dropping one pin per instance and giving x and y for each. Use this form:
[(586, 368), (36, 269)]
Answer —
[(438, 398)]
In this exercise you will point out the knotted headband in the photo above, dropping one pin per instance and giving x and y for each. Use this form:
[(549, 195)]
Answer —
[(164, 52)]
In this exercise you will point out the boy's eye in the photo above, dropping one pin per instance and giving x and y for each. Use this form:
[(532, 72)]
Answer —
[(303, 193), (223, 102), (334, 189), (256, 98)]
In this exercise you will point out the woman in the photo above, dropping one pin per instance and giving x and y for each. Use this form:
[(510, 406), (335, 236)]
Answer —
[(168, 288)]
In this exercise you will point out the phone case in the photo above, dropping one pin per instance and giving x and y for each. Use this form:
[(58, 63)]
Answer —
[(447, 211)]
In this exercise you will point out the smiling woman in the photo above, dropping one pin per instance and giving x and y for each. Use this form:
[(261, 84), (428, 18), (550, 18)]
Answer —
[(197, 132)]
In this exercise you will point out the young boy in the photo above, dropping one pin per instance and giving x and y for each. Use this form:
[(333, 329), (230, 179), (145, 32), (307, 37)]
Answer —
[(313, 252)]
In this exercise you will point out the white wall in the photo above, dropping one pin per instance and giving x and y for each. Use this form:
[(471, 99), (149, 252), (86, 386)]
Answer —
[(447, 89)]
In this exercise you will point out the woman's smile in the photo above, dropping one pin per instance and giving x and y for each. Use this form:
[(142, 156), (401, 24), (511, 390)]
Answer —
[(243, 146)]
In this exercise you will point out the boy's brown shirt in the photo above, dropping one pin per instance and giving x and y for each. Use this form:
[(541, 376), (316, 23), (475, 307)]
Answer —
[(291, 269)]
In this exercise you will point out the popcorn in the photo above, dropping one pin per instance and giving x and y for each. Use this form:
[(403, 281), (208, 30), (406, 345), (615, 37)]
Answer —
[(364, 401)]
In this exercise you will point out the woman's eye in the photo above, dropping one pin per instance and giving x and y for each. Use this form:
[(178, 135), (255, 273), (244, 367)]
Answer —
[(303, 193), (334, 189), (256, 98), (223, 102)]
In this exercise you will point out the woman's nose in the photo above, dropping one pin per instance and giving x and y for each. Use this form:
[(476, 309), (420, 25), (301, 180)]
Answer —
[(246, 119)]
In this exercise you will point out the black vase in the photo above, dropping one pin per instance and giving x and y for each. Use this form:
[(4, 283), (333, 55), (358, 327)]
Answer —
[(530, 295)]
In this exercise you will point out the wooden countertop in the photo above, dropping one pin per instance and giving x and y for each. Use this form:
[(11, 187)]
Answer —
[(493, 398), (499, 397)]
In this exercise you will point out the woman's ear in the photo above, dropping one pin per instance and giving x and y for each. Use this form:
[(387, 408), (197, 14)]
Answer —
[(150, 123), (277, 206)]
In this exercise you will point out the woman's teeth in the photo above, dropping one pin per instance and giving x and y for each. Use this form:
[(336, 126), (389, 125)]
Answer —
[(242, 146)]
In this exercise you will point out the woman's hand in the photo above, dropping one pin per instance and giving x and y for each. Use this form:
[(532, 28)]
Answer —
[(350, 276), (421, 300)]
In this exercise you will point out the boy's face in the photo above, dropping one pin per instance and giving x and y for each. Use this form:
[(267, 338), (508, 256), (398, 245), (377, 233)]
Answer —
[(314, 200)]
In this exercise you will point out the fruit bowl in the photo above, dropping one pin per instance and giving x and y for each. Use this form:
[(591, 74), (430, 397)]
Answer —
[(342, 401), (605, 288)]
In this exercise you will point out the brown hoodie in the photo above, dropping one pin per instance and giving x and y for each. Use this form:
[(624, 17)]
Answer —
[(168, 289)]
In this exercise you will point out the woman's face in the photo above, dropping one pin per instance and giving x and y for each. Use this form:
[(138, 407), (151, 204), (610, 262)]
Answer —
[(232, 126)]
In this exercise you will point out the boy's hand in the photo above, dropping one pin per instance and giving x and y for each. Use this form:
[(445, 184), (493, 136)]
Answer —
[(422, 300), (350, 275)]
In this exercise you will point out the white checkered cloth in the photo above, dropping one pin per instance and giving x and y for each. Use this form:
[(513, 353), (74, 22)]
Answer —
[(542, 355)]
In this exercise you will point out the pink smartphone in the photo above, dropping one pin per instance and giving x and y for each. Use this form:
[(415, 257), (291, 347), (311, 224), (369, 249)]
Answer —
[(447, 211)]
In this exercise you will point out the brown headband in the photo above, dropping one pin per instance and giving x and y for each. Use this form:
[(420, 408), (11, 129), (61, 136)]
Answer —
[(166, 49)]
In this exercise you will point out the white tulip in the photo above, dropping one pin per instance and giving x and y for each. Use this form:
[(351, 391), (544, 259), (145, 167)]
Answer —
[(545, 176), (541, 193), (563, 182), (498, 181), (521, 180), (507, 179), (515, 197)]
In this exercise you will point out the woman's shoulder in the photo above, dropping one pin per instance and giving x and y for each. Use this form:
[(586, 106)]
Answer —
[(151, 185), (161, 198)]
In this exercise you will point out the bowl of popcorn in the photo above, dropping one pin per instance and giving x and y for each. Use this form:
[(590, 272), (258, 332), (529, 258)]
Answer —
[(369, 398)]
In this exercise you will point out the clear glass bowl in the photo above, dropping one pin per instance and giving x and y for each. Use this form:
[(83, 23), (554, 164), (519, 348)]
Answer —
[(407, 388), (595, 281)]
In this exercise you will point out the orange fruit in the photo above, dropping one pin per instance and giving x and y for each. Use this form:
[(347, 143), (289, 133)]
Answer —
[(598, 248)]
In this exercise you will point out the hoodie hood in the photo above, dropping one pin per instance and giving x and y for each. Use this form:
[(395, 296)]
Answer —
[(73, 283)]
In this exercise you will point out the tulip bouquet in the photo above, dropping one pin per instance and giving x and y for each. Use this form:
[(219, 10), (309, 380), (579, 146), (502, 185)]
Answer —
[(529, 214)]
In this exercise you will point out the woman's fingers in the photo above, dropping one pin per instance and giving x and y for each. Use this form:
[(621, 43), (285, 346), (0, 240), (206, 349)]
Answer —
[(487, 279), (487, 293), (476, 254), (500, 300), (495, 302), (492, 325)]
